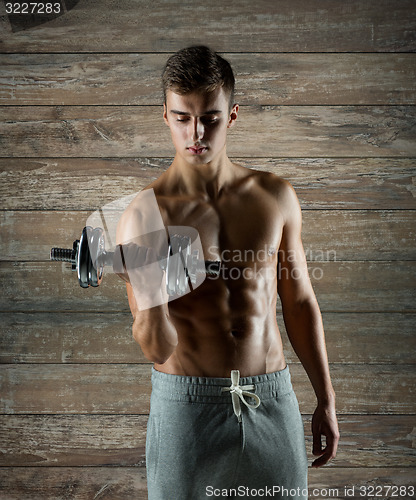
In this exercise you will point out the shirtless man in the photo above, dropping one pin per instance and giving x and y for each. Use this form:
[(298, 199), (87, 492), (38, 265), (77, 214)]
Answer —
[(203, 441)]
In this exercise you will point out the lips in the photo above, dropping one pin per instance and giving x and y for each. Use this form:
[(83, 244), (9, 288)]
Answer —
[(197, 150)]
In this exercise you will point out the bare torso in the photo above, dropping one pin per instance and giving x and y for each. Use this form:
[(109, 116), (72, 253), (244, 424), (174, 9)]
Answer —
[(228, 322)]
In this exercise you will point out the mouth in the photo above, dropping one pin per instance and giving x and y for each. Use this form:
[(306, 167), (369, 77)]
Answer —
[(197, 150)]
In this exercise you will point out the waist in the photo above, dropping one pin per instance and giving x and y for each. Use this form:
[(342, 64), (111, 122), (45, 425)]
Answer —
[(210, 389)]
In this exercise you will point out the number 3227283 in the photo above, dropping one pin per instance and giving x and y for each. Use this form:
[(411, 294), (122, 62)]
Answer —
[(33, 8)]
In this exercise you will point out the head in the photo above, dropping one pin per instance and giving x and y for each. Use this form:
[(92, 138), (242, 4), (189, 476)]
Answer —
[(198, 88), (198, 69)]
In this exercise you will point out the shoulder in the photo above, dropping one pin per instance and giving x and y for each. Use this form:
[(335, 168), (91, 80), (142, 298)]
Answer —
[(281, 191)]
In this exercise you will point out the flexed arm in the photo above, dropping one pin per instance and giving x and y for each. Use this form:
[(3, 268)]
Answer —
[(152, 328)]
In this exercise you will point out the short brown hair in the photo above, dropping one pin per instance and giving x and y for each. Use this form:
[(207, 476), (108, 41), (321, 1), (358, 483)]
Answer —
[(198, 69)]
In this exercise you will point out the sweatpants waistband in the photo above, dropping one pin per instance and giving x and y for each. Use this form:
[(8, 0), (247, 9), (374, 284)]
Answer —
[(211, 389)]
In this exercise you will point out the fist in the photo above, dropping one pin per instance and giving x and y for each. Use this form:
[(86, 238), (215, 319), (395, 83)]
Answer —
[(140, 266)]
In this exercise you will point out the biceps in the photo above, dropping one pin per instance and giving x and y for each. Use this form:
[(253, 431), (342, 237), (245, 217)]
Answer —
[(293, 278)]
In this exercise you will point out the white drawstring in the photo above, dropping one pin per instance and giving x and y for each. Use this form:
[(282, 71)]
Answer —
[(238, 392)]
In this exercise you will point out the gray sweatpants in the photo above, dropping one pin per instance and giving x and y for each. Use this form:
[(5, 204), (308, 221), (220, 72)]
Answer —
[(204, 441)]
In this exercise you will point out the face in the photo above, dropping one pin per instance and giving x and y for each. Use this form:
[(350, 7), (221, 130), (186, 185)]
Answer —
[(198, 124)]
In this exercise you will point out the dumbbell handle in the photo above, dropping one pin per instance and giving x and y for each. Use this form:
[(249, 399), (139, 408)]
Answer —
[(63, 255), (66, 254)]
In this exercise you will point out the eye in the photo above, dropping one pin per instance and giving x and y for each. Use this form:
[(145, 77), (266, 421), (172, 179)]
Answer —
[(209, 119), (182, 118)]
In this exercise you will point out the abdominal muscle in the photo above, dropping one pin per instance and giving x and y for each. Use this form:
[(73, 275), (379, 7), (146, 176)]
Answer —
[(232, 327)]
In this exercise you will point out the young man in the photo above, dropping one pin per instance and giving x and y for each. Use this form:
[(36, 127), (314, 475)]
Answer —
[(211, 432)]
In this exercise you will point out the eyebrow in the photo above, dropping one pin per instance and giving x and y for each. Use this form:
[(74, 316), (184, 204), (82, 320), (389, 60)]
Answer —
[(184, 113)]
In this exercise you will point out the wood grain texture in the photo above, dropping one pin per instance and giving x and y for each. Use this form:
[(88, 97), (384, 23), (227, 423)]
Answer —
[(268, 79), (363, 389), (327, 94), (168, 25), (125, 389), (53, 483), (90, 183), (351, 338), (328, 235), (68, 338), (66, 389), (368, 338), (282, 131), (79, 440), (80, 483), (102, 440), (339, 286)]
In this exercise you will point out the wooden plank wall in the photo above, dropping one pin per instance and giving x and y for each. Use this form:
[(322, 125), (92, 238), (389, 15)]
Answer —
[(327, 94)]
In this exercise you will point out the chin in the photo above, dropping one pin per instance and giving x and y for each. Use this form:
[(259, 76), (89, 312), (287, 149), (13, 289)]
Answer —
[(199, 160)]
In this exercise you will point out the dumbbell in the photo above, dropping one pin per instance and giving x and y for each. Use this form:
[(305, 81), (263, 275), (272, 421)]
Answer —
[(88, 258)]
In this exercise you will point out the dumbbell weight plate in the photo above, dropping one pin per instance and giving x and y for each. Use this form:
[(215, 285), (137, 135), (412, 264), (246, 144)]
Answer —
[(83, 259), (96, 248), (91, 244), (192, 266), (178, 254)]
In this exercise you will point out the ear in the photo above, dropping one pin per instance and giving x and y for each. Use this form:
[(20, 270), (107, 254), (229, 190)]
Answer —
[(165, 114), (233, 116)]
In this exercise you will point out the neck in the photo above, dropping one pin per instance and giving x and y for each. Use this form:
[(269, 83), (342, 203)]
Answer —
[(205, 179)]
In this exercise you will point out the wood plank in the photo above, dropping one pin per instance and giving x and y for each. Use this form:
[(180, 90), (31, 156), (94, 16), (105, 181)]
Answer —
[(69, 389), (125, 389), (327, 235), (50, 483), (272, 79), (347, 183), (355, 235), (68, 338), (353, 338), (54, 287), (363, 389), (86, 440), (73, 441), (356, 286), (96, 338), (289, 131), (287, 26), (78, 183), (339, 287)]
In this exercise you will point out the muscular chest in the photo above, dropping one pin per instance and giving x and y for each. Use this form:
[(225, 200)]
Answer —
[(237, 228)]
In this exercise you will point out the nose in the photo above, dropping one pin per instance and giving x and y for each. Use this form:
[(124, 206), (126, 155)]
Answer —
[(197, 130)]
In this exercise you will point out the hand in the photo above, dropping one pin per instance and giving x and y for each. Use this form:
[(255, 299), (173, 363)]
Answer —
[(139, 266), (129, 257), (324, 423)]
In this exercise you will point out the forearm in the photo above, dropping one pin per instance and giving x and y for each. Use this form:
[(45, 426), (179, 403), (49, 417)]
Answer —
[(153, 330), (305, 331), (155, 334)]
